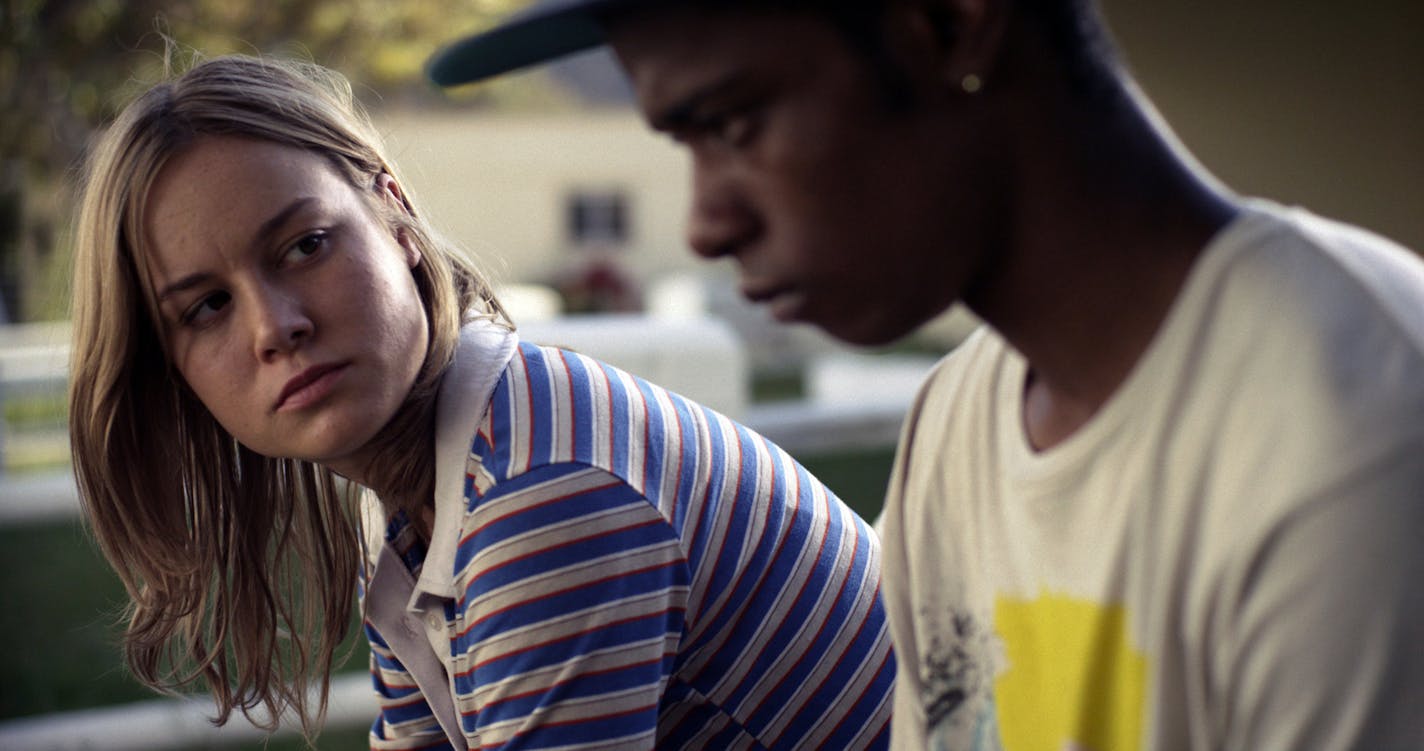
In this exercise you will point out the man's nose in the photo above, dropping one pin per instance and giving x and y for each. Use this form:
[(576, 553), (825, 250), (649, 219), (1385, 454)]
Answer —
[(721, 219)]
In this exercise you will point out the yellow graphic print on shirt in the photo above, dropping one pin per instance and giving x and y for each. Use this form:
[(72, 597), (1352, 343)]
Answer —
[(1073, 679)]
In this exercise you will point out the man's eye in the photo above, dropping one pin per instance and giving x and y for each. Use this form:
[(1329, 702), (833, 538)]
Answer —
[(733, 130)]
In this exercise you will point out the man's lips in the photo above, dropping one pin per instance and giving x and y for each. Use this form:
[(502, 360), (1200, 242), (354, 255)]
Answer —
[(308, 386), (762, 293)]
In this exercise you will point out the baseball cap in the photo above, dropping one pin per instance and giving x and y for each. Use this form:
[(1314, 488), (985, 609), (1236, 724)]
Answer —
[(547, 30)]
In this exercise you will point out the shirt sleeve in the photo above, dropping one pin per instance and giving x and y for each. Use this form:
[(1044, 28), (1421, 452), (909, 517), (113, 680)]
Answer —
[(574, 594), (1325, 652)]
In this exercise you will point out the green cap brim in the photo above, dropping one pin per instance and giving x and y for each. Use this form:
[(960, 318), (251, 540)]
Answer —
[(542, 33)]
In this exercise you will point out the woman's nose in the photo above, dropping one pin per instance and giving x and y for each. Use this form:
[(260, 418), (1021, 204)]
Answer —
[(281, 324)]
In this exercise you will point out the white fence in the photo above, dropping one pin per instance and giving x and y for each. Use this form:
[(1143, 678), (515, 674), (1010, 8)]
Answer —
[(854, 402)]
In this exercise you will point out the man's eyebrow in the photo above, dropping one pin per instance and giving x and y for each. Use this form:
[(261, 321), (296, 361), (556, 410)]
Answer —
[(683, 112), (262, 237)]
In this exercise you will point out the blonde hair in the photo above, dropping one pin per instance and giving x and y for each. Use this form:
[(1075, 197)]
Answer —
[(240, 567)]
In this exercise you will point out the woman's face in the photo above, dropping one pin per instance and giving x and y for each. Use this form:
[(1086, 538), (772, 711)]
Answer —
[(290, 308)]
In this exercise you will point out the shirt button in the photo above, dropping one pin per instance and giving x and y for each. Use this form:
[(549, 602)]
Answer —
[(435, 621)]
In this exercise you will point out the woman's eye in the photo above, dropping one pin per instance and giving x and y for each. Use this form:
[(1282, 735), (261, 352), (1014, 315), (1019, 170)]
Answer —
[(203, 311), (305, 248)]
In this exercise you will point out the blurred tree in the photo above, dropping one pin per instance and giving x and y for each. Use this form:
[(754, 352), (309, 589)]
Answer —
[(66, 66)]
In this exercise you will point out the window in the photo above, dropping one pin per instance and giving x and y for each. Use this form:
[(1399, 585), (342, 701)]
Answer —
[(597, 218)]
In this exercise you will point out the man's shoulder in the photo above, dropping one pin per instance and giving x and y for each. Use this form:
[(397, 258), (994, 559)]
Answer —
[(1294, 266), (974, 365)]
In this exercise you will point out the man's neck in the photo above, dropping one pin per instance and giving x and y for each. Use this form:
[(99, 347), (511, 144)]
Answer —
[(1095, 264)]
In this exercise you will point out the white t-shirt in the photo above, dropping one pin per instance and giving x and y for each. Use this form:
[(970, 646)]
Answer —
[(1228, 555)]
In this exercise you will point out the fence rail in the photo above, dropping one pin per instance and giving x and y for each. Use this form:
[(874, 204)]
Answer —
[(856, 403)]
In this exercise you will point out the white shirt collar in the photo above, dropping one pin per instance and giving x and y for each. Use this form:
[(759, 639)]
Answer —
[(485, 349)]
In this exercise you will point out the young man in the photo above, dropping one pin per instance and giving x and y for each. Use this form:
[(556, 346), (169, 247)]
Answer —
[(1172, 495)]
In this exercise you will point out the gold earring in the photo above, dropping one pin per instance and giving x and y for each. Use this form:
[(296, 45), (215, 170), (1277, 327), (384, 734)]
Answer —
[(971, 83)]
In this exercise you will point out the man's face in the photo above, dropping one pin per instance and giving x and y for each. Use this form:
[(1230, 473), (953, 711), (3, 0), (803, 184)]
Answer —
[(840, 210)]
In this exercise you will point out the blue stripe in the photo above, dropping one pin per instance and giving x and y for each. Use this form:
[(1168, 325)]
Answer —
[(760, 566), (541, 424), (540, 516), (716, 491), (582, 597), (605, 545), (546, 736), (841, 673), (657, 436), (501, 410), (688, 468), (584, 414), (749, 576), (580, 686), (618, 412)]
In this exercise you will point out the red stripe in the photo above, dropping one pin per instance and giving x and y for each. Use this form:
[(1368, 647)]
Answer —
[(615, 482), (573, 418), (716, 554), (529, 406), (387, 703), (612, 429), (565, 590), (869, 686), (692, 536), (551, 687), (845, 580), (647, 437), (805, 582), (485, 571), (786, 526), (851, 643), (441, 742), (584, 721), (585, 632), (677, 475)]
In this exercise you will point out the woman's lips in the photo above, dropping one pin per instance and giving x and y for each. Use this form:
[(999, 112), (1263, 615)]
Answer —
[(309, 386)]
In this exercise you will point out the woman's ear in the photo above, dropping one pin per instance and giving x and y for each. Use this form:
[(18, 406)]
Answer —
[(390, 190)]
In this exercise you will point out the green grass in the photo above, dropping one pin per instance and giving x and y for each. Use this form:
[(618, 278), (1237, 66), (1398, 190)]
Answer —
[(858, 477), (63, 605), (44, 411), (63, 620)]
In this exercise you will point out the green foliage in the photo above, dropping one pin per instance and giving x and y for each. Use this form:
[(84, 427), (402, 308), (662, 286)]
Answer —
[(67, 66), (858, 477)]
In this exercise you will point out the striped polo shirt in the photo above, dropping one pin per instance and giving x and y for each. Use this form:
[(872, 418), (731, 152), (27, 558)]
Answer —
[(615, 566)]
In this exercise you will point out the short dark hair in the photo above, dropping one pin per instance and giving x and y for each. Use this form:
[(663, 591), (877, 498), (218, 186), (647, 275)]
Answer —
[(1080, 40), (1074, 30)]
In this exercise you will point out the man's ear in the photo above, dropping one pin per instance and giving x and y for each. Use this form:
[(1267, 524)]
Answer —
[(390, 190), (962, 38)]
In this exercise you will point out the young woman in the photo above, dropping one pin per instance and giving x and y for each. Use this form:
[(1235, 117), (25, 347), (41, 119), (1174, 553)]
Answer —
[(552, 552)]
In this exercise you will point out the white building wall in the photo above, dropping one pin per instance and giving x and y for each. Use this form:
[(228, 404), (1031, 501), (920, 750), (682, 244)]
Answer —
[(497, 184)]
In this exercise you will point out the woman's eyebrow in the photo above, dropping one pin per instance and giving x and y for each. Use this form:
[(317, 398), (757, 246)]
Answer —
[(262, 237), (274, 224)]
